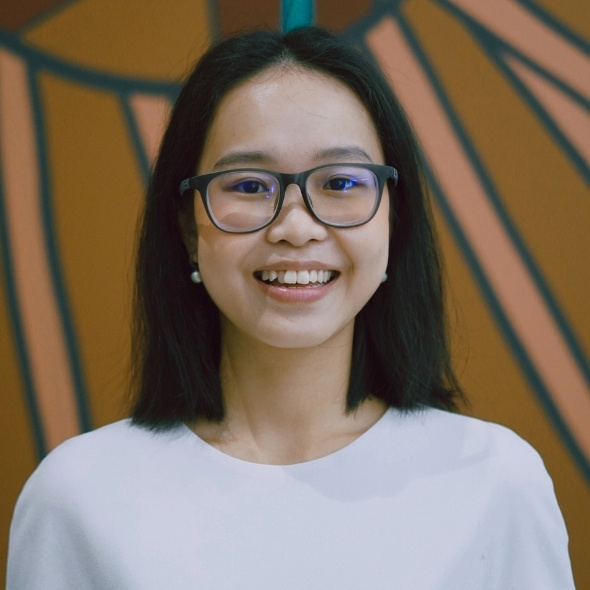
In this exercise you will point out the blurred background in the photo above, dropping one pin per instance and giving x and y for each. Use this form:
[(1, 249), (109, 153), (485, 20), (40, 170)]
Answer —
[(499, 95)]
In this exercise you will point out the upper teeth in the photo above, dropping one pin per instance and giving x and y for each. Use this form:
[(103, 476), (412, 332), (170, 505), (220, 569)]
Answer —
[(301, 277)]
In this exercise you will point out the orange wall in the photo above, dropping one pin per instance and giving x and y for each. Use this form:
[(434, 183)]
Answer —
[(499, 99)]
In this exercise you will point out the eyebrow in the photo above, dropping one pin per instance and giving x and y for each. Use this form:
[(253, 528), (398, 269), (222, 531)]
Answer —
[(345, 153), (233, 158), (340, 153)]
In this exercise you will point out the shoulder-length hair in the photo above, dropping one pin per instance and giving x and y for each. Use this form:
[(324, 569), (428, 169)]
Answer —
[(400, 348)]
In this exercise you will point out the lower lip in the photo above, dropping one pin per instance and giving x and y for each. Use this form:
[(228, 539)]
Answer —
[(301, 294)]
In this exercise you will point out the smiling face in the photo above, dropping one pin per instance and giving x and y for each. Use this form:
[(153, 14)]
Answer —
[(296, 283)]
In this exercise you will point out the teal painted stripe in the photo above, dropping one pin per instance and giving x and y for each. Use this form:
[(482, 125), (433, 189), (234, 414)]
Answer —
[(496, 49), (297, 13), (15, 319), (53, 255), (512, 338), (86, 76), (18, 331), (552, 22), (45, 16)]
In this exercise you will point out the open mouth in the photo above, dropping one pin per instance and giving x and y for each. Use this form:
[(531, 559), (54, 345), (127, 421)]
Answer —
[(296, 278)]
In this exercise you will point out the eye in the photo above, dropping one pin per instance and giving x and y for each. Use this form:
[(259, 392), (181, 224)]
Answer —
[(244, 185), (250, 187), (340, 183)]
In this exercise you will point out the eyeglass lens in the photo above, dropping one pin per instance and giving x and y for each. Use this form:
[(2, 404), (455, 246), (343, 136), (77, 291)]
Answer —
[(243, 200)]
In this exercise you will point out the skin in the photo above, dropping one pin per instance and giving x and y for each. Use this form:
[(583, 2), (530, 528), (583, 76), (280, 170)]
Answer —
[(286, 351)]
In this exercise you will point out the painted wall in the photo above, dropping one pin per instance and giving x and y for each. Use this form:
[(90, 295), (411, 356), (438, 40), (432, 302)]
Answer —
[(499, 94)]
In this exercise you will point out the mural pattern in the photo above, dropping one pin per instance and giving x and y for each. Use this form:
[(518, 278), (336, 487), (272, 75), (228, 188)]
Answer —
[(499, 95)]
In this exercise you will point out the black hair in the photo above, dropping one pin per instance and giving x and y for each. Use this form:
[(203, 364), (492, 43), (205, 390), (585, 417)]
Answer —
[(400, 346)]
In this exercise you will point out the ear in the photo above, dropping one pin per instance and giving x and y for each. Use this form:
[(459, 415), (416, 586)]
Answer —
[(188, 231)]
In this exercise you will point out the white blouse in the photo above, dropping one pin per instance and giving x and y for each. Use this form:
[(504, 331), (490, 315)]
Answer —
[(422, 501)]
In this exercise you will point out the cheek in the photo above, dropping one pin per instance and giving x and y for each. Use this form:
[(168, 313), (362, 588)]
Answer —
[(377, 255), (219, 269), (223, 258), (369, 253), (211, 242), (202, 221), (380, 229)]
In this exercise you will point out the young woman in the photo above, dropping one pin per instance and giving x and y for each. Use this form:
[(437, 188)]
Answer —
[(293, 424)]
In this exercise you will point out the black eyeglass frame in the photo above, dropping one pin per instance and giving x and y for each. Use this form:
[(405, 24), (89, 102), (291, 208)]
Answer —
[(201, 184)]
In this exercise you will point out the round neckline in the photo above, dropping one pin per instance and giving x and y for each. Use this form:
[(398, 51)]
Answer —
[(219, 456)]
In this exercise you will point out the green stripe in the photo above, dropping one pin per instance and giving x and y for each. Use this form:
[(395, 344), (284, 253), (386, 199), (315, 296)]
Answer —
[(296, 13)]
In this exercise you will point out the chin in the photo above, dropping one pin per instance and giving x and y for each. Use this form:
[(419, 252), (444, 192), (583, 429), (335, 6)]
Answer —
[(299, 339)]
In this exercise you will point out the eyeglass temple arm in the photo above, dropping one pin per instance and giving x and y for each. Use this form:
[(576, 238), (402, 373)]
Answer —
[(185, 185), (395, 176)]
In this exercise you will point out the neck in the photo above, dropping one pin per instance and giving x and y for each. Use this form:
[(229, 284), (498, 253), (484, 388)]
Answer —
[(286, 405)]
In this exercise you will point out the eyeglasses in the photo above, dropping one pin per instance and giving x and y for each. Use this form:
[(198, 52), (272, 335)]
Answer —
[(247, 200)]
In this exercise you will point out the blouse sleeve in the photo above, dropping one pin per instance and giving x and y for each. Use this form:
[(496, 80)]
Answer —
[(531, 532), (48, 545)]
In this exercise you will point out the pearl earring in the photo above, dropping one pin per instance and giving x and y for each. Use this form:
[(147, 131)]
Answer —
[(195, 275), (384, 277)]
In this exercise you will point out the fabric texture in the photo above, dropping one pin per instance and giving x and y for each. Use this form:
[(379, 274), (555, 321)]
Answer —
[(422, 501)]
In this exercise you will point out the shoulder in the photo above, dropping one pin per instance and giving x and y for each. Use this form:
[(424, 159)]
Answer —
[(481, 436), (492, 463), (91, 461), (523, 520), (484, 469), (79, 495), (64, 501), (457, 441), (512, 459), (474, 434), (84, 451)]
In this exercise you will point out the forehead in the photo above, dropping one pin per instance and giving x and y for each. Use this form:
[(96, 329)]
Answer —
[(292, 114)]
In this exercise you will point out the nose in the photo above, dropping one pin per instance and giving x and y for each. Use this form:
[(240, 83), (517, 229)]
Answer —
[(295, 223)]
